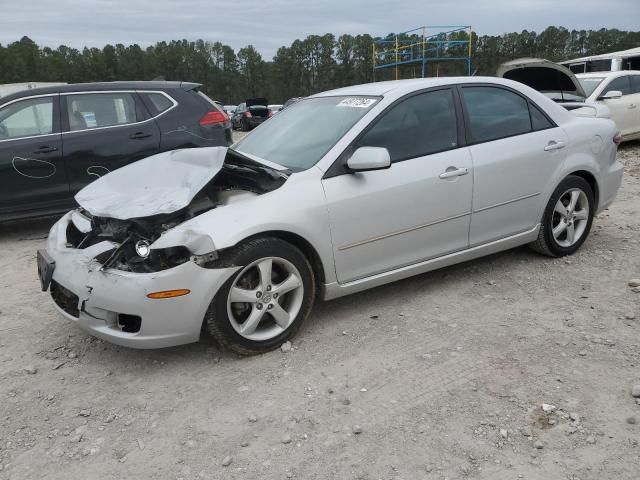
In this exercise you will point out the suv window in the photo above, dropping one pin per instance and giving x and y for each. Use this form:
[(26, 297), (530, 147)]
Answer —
[(159, 102), (635, 83), (26, 118), (417, 126), (93, 110), (621, 83), (495, 113)]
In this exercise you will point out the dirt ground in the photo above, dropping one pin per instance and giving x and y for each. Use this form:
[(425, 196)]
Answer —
[(441, 376)]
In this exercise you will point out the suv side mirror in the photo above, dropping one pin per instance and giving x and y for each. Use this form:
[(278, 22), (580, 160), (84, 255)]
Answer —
[(611, 94), (369, 158)]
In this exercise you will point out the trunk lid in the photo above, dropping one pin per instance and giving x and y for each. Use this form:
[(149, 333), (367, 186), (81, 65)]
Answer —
[(252, 102), (555, 81)]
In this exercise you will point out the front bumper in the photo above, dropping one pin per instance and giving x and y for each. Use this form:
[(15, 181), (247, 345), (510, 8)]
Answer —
[(105, 297)]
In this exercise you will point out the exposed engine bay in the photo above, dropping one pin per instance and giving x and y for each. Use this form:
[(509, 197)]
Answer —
[(239, 179)]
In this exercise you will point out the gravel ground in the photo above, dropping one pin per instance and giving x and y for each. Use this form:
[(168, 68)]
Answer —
[(444, 375)]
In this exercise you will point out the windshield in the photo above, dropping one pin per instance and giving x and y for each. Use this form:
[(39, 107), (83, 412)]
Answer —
[(589, 84), (299, 136)]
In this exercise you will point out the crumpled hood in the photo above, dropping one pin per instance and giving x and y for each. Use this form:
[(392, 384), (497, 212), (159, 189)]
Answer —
[(542, 75), (162, 183)]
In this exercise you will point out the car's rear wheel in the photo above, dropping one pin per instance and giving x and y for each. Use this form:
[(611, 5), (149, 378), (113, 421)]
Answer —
[(266, 301), (567, 218)]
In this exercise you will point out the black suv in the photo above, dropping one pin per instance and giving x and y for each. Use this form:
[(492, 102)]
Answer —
[(55, 140)]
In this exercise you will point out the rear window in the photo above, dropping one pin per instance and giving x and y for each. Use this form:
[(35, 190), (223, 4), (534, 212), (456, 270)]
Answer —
[(159, 102)]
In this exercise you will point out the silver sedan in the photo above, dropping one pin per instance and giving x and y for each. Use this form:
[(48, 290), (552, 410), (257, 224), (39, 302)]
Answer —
[(343, 191)]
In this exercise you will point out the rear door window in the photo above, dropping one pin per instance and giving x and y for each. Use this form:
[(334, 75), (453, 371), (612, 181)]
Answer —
[(417, 126), (495, 113), (96, 110), (635, 83), (538, 120), (27, 118)]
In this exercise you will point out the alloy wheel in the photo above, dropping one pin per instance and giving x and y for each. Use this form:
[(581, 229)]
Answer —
[(570, 217), (265, 298)]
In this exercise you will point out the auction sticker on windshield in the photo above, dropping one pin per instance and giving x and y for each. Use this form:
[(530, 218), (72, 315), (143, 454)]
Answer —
[(357, 102)]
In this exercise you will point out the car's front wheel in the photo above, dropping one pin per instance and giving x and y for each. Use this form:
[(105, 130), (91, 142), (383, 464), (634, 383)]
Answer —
[(567, 218), (266, 301)]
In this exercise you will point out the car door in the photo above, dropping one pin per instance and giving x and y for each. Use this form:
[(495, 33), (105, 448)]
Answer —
[(104, 131), (32, 171), (634, 106), (417, 209), (623, 110), (516, 149)]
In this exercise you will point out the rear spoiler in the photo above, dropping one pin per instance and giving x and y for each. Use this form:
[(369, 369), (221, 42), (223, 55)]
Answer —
[(593, 110), (190, 86)]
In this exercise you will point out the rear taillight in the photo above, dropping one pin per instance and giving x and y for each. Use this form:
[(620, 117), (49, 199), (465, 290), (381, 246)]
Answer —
[(214, 117), (248, 114), (617, 138), (270, 114)]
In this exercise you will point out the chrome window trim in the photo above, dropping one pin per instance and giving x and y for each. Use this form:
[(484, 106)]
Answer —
[(29, 98), (171, 99)]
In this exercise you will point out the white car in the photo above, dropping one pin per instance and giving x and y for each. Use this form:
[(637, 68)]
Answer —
[(229, 109), (275, 108), (394, 179), (618, 91)]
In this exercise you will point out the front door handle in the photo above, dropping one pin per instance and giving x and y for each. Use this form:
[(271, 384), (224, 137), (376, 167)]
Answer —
[(45, 149), (453, 172), (139, 135), (553, 145)]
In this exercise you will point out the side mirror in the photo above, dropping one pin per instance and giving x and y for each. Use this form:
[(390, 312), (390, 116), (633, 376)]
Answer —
[(369, 158), (611, 94)]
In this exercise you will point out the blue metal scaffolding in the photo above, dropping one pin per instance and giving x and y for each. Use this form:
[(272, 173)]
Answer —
[(422, 46)]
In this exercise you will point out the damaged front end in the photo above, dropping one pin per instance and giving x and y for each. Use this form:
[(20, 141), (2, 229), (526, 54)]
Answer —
[(237, 178)]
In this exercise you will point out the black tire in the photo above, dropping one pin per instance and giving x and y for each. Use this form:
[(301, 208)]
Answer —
[(546, 244), (245, 126), (217, 323)]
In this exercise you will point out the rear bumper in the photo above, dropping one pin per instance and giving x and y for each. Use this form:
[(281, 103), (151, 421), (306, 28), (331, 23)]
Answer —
[(103, 296), (609, 185)]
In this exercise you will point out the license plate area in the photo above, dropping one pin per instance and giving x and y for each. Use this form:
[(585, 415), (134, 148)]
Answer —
[(46, 266)]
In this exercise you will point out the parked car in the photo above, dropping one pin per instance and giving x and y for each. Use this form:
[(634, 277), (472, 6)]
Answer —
[(275, 108), (54, 141), (229, 109), (250, 113), (394, 179), (618, 91)]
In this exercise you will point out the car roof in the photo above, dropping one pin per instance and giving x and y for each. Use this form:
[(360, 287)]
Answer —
[(402, 86), (100, 86), (618, 73)]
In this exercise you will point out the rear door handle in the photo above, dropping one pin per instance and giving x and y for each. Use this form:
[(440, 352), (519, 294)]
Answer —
[(553, 145), (633, 105), (139, 135), (45, 149), (453, 172)]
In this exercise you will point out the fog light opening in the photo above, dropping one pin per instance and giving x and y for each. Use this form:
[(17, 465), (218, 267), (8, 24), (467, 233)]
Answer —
[(129, 323)]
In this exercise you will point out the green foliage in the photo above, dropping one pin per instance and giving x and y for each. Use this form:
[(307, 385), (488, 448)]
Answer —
[(316, 63)]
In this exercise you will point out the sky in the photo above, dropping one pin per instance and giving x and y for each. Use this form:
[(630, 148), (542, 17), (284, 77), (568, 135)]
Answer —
[(270, 24)]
